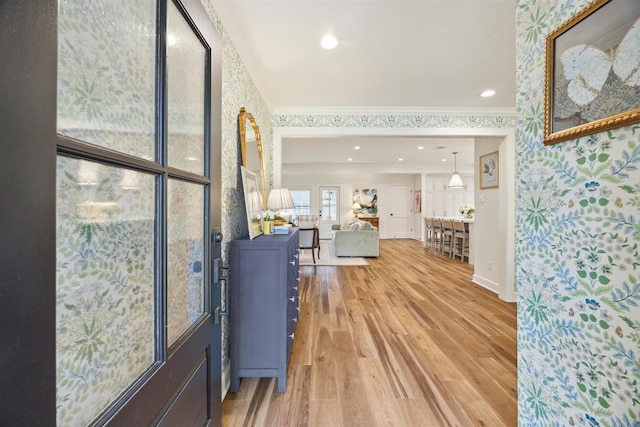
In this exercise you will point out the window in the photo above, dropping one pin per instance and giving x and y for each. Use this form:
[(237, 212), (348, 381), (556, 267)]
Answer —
[(301, 203)]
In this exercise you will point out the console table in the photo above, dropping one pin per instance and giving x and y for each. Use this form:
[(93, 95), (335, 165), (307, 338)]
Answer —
[(263, 306), (374, 220)]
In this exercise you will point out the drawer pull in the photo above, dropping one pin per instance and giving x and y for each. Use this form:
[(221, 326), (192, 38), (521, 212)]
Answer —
[(296, 256), (295, 319), (291, 335), (298, 279), (292, 262), (295, 288), (292, 299)]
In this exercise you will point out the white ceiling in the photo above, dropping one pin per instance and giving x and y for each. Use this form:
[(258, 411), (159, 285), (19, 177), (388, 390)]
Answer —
[(393, 55)]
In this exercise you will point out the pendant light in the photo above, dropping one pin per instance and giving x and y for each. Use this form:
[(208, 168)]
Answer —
[(456, 181)]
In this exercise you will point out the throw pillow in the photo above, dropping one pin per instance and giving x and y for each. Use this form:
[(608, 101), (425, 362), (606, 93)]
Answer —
[(355, 226), (345, 226)]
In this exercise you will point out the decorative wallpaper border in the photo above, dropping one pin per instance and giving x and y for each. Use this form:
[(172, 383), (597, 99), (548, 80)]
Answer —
[(395, 120)]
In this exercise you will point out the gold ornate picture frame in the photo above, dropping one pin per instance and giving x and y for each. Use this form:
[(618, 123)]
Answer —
[(592, 73)]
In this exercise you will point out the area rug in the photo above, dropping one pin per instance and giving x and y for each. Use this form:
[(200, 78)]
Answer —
[(328, 256)]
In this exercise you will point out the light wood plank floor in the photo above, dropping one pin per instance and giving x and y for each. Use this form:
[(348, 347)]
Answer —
[(407, 341)]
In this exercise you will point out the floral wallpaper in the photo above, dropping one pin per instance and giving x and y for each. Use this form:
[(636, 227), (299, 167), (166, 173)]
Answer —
[(238, 90), (577, 260)]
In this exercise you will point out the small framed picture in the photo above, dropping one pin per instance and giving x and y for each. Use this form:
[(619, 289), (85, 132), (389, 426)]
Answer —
[(592, 82), (417, 206), (489, 170)]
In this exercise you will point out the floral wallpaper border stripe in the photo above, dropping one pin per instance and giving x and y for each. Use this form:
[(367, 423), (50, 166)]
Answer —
[(464, 120)]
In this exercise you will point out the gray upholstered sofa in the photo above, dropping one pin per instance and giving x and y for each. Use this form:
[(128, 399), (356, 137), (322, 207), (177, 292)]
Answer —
[(359, 238)]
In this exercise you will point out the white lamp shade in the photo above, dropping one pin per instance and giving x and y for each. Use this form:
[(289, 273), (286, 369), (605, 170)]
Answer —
[(456, 181), (280, 198)]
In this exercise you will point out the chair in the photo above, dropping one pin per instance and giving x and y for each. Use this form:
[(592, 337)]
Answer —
[(446, 242), (307, 221), (309, 238), (461, 240)]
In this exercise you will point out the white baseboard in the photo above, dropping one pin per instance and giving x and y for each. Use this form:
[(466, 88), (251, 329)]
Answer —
[(486, 283), (226, 380)]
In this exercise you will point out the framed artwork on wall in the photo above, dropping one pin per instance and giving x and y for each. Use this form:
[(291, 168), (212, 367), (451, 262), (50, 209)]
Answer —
[(367, 201), (252, 201), (592, 75), (489, 173), (417, 206)]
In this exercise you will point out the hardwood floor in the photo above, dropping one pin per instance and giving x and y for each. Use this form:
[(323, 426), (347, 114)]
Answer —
[(407, 341)]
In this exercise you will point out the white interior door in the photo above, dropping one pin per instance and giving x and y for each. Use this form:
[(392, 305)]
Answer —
[(400, 209), (329, 210)]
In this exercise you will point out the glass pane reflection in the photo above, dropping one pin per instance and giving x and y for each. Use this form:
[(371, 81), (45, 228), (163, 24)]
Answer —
[(107, 74), (185, 258), (186, 94), (105, 232)]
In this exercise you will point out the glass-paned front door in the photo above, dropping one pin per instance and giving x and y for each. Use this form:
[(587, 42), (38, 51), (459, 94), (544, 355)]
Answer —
[(329, 213), (135, 201), (105, 234)]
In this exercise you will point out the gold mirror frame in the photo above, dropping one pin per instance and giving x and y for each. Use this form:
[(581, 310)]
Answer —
[(243, 117)]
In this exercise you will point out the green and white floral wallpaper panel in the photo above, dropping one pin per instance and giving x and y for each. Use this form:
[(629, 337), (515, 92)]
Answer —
[(577, 260)]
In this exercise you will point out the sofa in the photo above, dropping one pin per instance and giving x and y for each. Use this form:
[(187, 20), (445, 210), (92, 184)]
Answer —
[(356, 238)]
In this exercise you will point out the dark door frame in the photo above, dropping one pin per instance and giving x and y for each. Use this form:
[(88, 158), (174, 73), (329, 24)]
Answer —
[(27, 214)]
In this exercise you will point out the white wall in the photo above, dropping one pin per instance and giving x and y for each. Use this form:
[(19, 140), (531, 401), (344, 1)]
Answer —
[(489, 231), (347, 183), (417, 216)]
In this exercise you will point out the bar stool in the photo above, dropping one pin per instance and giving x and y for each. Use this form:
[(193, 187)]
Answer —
[(446, 242), (460, 240), (428, 232), (436, 227)]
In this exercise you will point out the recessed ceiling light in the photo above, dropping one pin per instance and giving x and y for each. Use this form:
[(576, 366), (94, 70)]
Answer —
[(443, 160), (488, 93), (329, 42), (357, 147), (401, 159), (421, 148), (349, 159)]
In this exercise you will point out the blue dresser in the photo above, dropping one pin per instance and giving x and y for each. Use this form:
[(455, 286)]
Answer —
[(263, 306)]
